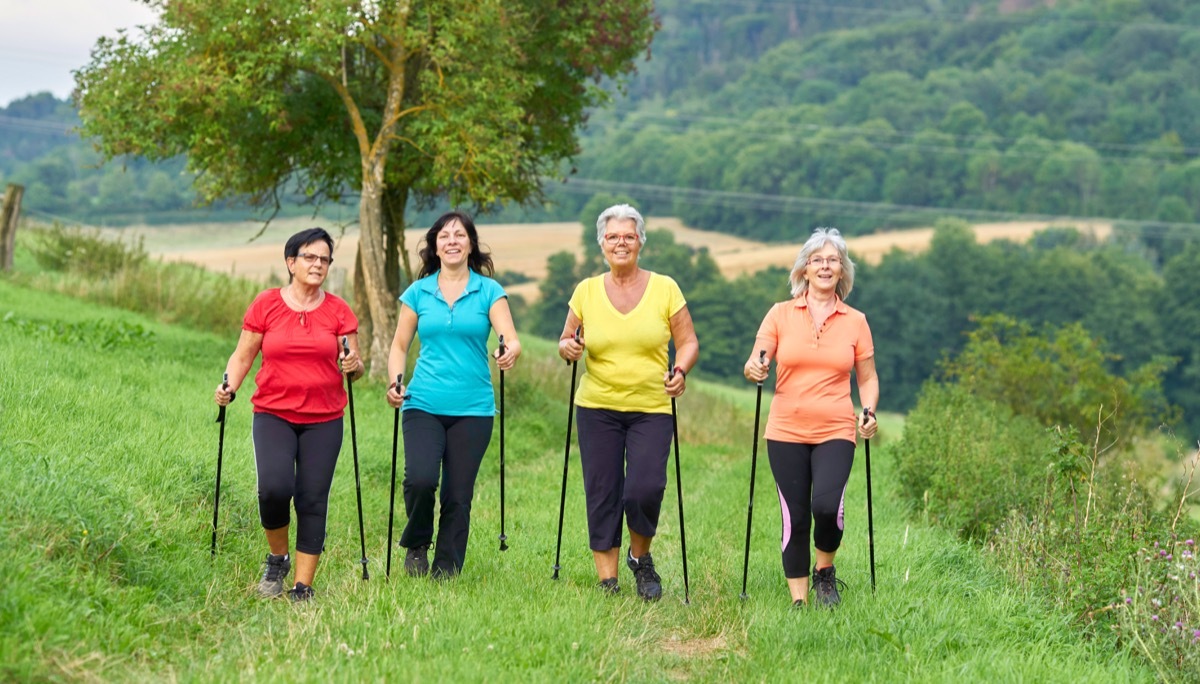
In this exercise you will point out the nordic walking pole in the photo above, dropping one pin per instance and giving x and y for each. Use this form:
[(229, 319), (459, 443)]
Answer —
[(220, 456), (679, 496), (503, 537), (362, 537), (762, 359), (562, 501), (870, 517), (392, 498)]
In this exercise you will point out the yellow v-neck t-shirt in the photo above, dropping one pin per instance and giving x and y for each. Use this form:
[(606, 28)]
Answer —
[(626, 353)]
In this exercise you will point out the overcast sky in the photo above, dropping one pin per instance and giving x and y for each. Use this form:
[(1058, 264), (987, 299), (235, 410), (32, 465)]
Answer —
[(44, 40)]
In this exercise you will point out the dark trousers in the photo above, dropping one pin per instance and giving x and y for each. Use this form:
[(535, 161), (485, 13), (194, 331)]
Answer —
[(624, 460), (450, 448), (295, 462), (811, 483)]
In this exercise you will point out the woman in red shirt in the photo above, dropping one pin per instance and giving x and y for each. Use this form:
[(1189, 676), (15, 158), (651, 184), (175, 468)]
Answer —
[(298, 404), (816, 341)]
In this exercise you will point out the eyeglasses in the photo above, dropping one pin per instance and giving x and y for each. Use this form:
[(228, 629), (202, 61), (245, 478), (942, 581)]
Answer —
[(821, 261), (311, 259), (614, 239)]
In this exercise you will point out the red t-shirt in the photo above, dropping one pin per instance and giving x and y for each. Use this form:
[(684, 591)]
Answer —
[(300, 380)]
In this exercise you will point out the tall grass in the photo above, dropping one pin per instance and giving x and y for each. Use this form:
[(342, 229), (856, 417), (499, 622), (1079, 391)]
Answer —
[(108, 464), (81, 263)]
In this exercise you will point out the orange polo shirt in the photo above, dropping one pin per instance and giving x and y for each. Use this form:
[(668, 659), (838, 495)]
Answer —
[(812, 401)]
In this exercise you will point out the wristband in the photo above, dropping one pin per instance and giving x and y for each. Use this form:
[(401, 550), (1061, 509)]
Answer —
[(681, 372)]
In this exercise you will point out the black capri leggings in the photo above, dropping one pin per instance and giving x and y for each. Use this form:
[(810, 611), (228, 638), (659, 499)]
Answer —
[(451, 447), (296, 461), (811, 482), (623, 456)]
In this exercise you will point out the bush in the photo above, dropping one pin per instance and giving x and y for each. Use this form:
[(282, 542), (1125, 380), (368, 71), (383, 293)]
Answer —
[(84, 252), (966, 461)]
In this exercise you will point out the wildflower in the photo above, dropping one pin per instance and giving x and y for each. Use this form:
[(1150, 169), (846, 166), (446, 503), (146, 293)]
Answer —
[(1179, 624), (1154, 618), (1128, 601), (1190, 542)]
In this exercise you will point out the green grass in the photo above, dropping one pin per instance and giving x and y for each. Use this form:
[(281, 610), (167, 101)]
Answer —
[(107, 457)]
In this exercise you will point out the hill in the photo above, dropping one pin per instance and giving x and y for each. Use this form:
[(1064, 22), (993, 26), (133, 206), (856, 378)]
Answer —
[(105, 548)]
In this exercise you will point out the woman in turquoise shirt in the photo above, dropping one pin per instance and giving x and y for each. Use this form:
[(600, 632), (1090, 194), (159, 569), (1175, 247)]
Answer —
[(449, 406)]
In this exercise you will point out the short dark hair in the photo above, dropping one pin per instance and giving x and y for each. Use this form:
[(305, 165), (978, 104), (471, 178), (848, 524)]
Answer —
[(291, 249), (478, 260)]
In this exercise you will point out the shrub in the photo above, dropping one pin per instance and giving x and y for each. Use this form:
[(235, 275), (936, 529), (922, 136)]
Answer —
[(84, 252), (966, 461)]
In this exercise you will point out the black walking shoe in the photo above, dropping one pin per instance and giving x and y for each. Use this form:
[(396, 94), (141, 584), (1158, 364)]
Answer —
[(799, 604), (416, 561), (610, 586), (301, 592), (649, 584), (271, 584), (825, 587)]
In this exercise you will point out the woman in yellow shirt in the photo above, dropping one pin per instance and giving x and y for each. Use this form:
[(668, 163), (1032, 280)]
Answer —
[(628, 316)]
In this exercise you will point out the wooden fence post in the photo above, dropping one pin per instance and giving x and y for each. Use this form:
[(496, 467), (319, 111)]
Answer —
[(8, 224)]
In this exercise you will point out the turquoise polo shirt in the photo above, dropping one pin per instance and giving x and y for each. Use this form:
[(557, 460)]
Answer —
[(452, 376)]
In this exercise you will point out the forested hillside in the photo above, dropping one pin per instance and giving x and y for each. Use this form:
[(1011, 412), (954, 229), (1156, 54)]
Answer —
[(1083, 109)]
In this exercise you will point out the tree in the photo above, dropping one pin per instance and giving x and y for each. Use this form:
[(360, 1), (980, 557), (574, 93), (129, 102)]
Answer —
[(475, 101)]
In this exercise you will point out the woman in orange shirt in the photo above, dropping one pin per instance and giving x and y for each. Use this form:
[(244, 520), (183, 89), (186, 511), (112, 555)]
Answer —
[(816, 341)]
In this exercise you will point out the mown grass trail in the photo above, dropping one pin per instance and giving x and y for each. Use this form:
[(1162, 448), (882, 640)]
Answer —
[(107, 459)]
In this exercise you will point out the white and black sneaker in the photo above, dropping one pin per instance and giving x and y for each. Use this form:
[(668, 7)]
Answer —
[(278, 567), (649, 584), (301, 593)]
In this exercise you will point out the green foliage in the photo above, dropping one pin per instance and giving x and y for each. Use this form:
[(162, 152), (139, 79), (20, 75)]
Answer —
[(84, 252), (101, 334), (966, 461), (1059, 378)]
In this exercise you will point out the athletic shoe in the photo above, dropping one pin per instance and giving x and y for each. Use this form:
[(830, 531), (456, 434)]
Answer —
[(271, 584), (825, 587), (301, 592), (649, 584), (416, 561), (799, 604), (609, 586)]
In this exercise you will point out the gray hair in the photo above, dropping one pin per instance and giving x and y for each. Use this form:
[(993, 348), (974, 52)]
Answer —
[(620, 212), (820, 238)]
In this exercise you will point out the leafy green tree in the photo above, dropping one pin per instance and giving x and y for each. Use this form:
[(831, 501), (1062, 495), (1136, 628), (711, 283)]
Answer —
[(459, 99)]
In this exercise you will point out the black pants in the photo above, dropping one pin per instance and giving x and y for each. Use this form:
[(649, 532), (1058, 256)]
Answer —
[(451, 447), (295, 461), (811, 482), (624, 460)]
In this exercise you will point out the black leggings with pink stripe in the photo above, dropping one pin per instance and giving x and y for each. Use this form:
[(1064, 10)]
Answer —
[(811, 482)]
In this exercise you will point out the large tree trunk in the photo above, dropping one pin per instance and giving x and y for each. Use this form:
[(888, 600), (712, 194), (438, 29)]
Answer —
[(381, 303), (399, 269)]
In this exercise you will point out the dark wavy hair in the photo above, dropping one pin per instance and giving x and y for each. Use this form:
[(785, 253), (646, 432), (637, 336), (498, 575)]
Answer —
[(291, 249), (478, 260)]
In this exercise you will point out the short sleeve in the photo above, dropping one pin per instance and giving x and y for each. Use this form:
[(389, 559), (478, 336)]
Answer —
[(347, 321), (411, 296), (577, 299), (495, 291), (768, 330), (675, 299), (864, 348), (255, 320)]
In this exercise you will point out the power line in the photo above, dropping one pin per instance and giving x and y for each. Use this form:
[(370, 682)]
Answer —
[(798, 204)]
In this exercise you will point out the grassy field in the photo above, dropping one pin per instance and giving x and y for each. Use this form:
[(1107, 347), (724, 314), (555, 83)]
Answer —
[(108, 456)]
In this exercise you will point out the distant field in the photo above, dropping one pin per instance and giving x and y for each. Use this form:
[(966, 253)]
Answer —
[(523, 248)]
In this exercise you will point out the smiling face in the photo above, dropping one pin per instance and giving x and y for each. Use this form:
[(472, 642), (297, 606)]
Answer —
[(620, 243), (453, 244), (311, 265), (824, 269)]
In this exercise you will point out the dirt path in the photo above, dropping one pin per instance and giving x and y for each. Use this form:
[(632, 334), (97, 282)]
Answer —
[(524, 248)]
